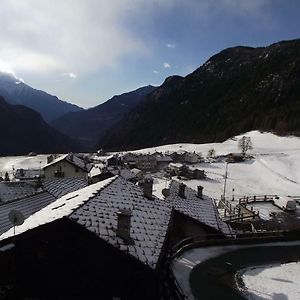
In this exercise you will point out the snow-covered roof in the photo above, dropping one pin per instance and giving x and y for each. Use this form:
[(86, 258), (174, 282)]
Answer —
[(60, 208), (15, 190), (149, 220), (125, 173), (27, 206), (59, 187), (164, 158), (95, 207), (136, 171), (202, 210), (175, 165), (72, 159)]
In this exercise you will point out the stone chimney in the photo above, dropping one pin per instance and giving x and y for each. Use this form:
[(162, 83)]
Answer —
[(50, 159), (166, 192), (148, 187), (71, 156), (181, 191), (124, 224), (200, 190)]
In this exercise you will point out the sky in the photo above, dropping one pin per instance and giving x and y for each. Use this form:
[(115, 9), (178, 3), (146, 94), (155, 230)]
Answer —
[(86, 51)]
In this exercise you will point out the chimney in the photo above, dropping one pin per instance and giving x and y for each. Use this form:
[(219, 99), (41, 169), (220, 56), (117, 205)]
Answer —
[(181, 191), (200, 190), (166, 192), (50, 159), (71, 156), (124, 224), (148, 187)]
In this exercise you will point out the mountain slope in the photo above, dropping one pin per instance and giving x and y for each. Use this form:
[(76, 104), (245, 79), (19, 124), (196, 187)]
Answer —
[(17, 92), (88, 125), (23, 130), (237, 90)]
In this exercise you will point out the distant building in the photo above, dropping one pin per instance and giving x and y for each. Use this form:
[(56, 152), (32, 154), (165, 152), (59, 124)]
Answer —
[(192, 158), (178, 169), (28, 174), (235, 157), (113, 160), (68, 165), (146, 163)]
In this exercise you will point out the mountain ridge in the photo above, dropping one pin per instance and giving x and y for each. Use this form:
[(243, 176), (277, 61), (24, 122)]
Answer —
[(24, 131), (237, 90), (88, 125), (17, 92)]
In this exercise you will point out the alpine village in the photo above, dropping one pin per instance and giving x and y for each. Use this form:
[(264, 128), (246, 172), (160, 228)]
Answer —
[(189, 189)]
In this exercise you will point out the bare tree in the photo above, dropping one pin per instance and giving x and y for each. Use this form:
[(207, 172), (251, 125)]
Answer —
[(245, 144), (211, 153)]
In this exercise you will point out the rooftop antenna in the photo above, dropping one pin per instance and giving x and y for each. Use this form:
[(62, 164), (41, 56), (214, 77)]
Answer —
[(16, 218)]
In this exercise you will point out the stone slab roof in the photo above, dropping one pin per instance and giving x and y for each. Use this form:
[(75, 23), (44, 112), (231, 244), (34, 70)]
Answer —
[(72, 159), (202, 210), (27, 206), (15, 190), (59, 187), (149, 220)]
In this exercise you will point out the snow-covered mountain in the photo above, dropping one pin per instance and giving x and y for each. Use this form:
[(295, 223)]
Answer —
[(15, 91)]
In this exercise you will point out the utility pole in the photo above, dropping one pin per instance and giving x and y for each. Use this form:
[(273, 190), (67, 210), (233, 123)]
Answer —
[(225, 179)]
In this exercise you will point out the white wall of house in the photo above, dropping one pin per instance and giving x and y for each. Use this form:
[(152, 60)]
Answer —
[(67, 170)]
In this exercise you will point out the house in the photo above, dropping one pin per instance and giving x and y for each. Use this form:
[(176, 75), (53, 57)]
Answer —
[(146, 162), (33, 198), (28, 174), (174, 168), (192, 158), (194, 214), (235, 157), (178, 169), (191, 172), (132, 175), (113, 160), (68, 165), (107, 241), (129, 159), (178, 156), (163, 160)]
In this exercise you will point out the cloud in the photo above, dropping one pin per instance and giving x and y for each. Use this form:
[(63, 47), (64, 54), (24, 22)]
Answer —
[(71, 75), (155, 72), (56, 36), (86, 36), (166, 65), (171, 45)]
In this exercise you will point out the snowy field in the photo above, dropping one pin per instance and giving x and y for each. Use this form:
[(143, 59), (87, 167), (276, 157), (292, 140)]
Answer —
[(8, 163), (273, 282), (275, 168)]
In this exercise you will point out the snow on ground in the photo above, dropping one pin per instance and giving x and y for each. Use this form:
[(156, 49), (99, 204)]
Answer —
[(159, 183), (7, 163), (265, 209), (273, 282), (183, 264), (275, 168)]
